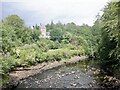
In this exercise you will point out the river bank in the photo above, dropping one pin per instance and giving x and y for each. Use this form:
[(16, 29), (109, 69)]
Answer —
[(22, 73)]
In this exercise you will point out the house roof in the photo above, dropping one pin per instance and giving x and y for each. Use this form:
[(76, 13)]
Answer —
[(42, 26)]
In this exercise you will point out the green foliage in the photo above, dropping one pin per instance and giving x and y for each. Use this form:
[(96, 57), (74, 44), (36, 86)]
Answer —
[(9, 38), (35, 35), (68, 46), (29, 55), (66, 37), (59, 54), (56, 34), (22, 47), (70, 33), (46, 44), (80, 42), (17, 34), (109, 50), (96, 32), (14, 20), (37, 27), (7, 64)]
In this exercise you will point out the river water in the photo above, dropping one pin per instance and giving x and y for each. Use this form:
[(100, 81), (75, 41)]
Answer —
[(77, 75)]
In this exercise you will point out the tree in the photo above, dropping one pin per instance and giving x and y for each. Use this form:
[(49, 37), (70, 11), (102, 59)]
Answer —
[(14, 33), (109, 50), (56, 34), (37, 27), (96, 33), (14, 20), (35, 34), (9, 38)]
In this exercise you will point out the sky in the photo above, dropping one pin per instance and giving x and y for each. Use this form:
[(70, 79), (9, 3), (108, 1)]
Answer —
[(44, 11)]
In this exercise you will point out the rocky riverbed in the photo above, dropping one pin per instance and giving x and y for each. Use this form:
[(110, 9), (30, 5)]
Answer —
[(67, 76), (64, 74), (78, 75), (22, 73)]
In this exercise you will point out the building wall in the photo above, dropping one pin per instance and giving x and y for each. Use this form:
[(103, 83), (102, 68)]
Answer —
[(44, 34)]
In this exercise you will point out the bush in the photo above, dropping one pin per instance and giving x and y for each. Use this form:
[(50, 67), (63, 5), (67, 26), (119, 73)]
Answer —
[(59, 54), (68, 46), (8, 64), (43, 50)]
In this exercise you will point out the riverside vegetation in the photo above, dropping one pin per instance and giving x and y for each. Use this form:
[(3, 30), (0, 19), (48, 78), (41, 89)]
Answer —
[(22, 47)]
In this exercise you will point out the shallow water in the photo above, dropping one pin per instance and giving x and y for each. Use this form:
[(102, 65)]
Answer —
[(67, 76)]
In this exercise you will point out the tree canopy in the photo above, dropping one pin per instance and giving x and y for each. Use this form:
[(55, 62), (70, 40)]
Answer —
[(109, 50), (14, 20)]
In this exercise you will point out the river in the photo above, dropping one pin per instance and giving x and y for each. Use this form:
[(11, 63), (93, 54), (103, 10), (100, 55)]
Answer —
[(78, 75)]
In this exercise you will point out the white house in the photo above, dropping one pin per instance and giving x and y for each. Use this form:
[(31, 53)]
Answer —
[(44, 34)]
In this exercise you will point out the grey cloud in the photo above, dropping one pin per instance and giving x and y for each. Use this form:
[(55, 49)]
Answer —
[(41, 11)]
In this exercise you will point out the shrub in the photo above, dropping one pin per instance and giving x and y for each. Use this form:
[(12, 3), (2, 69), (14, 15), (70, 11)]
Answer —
[(69, 46), (32, 54), (8, 64)]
